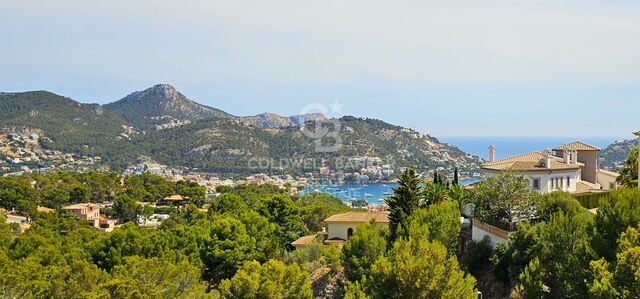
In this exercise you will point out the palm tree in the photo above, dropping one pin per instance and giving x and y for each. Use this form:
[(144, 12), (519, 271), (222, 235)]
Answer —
[(434, 193), (629, 172)]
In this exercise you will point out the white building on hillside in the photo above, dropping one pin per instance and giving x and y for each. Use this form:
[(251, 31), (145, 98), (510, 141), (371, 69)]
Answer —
[(571, 167)]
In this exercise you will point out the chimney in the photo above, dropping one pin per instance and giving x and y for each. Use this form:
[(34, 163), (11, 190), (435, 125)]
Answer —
[(574, 156), (546, 158), (566, 156), (492, 153)]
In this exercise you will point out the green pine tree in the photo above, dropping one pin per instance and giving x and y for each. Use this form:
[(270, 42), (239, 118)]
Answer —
[(456, 178), (403, 202)]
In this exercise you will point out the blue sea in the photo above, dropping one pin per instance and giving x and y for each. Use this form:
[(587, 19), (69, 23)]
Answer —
[(373, 193), (511, 146)]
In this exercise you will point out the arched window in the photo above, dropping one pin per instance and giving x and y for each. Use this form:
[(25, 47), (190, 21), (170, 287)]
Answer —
[(349, 232)]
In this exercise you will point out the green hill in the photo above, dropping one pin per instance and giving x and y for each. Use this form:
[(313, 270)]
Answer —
[(209, 139)]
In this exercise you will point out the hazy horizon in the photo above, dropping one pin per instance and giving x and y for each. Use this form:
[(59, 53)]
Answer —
[(500, 68)]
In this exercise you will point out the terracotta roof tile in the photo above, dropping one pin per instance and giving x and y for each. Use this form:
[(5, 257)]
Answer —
[(529, 162), (304, 240), (80, 206), (576, 145), (586, 187), (379, 217)]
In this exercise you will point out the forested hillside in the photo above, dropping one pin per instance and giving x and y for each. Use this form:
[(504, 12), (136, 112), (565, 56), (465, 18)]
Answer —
[(164, 125)]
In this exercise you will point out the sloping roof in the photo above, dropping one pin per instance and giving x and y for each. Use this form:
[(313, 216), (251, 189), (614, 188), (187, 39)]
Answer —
[(174, 197), (44, 209), (304, 240), (379, 217), (577, 145), (80, 206), (529, 162), (609, 173), (586, 187)]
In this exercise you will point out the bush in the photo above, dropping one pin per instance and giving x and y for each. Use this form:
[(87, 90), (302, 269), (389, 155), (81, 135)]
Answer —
[(559, 202), (478, 255)]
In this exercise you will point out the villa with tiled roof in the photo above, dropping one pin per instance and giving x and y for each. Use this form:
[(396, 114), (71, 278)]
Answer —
[(572, 167), (340, 227)]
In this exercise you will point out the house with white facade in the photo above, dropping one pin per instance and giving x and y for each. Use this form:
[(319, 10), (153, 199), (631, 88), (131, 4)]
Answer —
[(341, 227), (571, 167)]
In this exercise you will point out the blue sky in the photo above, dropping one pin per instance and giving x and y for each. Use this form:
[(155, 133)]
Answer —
[(447, 68)]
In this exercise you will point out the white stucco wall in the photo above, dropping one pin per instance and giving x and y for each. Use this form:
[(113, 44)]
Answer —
[(605, 180), (477, 234), (546, 177), (339, 229)]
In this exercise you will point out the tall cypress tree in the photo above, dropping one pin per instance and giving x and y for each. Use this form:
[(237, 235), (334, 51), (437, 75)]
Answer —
[(405, 200), (456, 179)]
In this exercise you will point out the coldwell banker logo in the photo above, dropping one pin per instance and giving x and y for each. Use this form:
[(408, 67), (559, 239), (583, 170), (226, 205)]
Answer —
[(325, 132)]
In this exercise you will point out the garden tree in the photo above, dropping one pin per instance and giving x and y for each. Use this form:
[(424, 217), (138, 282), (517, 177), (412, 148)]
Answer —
[(157, 278), (224, 189), (459, 194), (282, 211), (419, 268), (272, 279), (353, 290), (129, 240), (148, 187), (317, 207), (30, 279), (126, 208), (559, 201), (362, 250), (477, 255), (6, 232), (55, 198), (442, 222), (622, 210), (228, 246), (147, 211), (434, 193), (531, 286), (509, 261), (565, 253), (191, 190), (629, 172), (17, 193), (405, 199), (503, 199), (79, 193), (620, 279), (264, 232), (359, 203), (456, 177), (228, 203)]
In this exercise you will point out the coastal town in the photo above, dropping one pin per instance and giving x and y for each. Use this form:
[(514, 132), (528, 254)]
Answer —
[(319, 149)]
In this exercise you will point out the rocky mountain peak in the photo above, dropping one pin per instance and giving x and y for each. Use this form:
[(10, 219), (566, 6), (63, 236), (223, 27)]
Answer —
[(157, 93)]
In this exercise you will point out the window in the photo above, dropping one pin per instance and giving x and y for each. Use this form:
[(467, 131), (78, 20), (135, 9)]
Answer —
[(536, 184), (568, 182)]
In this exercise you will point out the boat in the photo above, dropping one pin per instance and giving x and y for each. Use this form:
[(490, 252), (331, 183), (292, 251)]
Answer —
[(368, 195), (316, 190), (386, 193)]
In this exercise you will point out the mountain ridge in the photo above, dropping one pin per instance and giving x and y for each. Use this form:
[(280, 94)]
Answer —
[(178, 131)]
